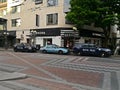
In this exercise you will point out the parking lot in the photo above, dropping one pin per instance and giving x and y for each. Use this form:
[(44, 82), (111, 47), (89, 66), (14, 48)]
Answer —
[(59, 72)]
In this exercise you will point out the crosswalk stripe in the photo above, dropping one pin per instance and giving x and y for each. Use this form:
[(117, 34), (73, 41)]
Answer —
[(106, 81)]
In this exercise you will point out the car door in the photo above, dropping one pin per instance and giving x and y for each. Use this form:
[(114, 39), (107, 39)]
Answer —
[(52, 49), (92, 49), (20, 47), (26, 47), (49, 48), (55, 48), (85, 49)]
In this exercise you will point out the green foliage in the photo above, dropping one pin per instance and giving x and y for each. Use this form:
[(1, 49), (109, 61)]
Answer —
[(100, 12), (103, 13)]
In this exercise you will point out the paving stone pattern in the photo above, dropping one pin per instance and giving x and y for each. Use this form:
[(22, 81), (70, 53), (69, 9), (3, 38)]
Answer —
[(61, 72)]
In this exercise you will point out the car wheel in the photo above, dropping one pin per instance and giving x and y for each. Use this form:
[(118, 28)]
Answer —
[(44, 51), (60, 52), (103, 54)]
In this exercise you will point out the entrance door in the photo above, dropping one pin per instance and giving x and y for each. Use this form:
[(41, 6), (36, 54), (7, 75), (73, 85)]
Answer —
[(47, 41), (68, 43)]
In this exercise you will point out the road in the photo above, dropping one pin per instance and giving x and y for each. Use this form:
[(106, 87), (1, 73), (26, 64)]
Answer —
[(59, 72)]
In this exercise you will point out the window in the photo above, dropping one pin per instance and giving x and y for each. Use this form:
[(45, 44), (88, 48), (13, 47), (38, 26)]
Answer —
[(2, 1), (52, 19), (16, 22), (38, 1), (3, 12), (15, 9), (37, 20), (52, 2)]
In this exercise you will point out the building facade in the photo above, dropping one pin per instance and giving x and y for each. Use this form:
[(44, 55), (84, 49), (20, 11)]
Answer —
[(7, 38), (41, 22)]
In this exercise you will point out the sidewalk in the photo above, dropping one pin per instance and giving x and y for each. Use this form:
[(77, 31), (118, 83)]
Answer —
[(3, 49), (116, 57), (10, 76), (6, 76)]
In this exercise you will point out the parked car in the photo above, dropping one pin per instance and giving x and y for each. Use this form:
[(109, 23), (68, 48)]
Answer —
[(91, 49), (24, 47), (54, 49)]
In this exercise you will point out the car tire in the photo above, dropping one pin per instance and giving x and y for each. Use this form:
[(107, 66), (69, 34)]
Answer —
[(44, 51), (103, 54), (60, 52)]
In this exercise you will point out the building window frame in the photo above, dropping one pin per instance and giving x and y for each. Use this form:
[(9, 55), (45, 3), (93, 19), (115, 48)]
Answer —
[(52, 19), (38, 2), (2, 1), (16, 22), (15, 9), (52, 3), (37, 20)]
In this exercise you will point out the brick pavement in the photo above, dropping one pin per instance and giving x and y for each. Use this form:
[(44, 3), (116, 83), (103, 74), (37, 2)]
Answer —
[(61, 72), (75, 76)]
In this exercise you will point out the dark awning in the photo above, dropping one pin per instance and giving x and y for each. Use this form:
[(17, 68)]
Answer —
[(3, 21), (91, 33)]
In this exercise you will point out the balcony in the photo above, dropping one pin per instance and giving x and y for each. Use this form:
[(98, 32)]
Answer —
[(3, 4)]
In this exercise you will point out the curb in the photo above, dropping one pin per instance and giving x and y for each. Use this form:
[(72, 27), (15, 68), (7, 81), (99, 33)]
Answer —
[(11, 76)]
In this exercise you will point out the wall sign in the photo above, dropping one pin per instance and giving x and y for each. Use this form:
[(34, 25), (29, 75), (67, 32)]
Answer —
[(48, 32)]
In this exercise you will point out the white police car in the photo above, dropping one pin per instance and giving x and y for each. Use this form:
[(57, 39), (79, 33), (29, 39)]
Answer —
[(91, 49)]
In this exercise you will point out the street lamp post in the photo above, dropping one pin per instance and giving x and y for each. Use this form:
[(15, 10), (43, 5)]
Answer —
[(6, 40)]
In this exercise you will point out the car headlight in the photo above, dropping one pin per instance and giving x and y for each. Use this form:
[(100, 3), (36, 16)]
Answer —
[(99, 49)]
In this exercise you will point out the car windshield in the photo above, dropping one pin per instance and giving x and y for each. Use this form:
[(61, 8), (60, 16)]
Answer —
[(78, 45), (55, 46)]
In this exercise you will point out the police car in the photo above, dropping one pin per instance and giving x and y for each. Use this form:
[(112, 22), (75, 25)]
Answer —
[(91, 49)]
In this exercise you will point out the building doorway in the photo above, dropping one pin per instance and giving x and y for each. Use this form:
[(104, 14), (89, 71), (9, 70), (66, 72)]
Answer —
[(68, 43), (47, 41)]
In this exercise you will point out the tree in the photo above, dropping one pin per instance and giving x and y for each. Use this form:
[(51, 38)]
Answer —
[(101, 13)]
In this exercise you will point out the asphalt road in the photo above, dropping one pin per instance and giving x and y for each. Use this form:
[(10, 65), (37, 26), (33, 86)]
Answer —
[(37, 71)]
